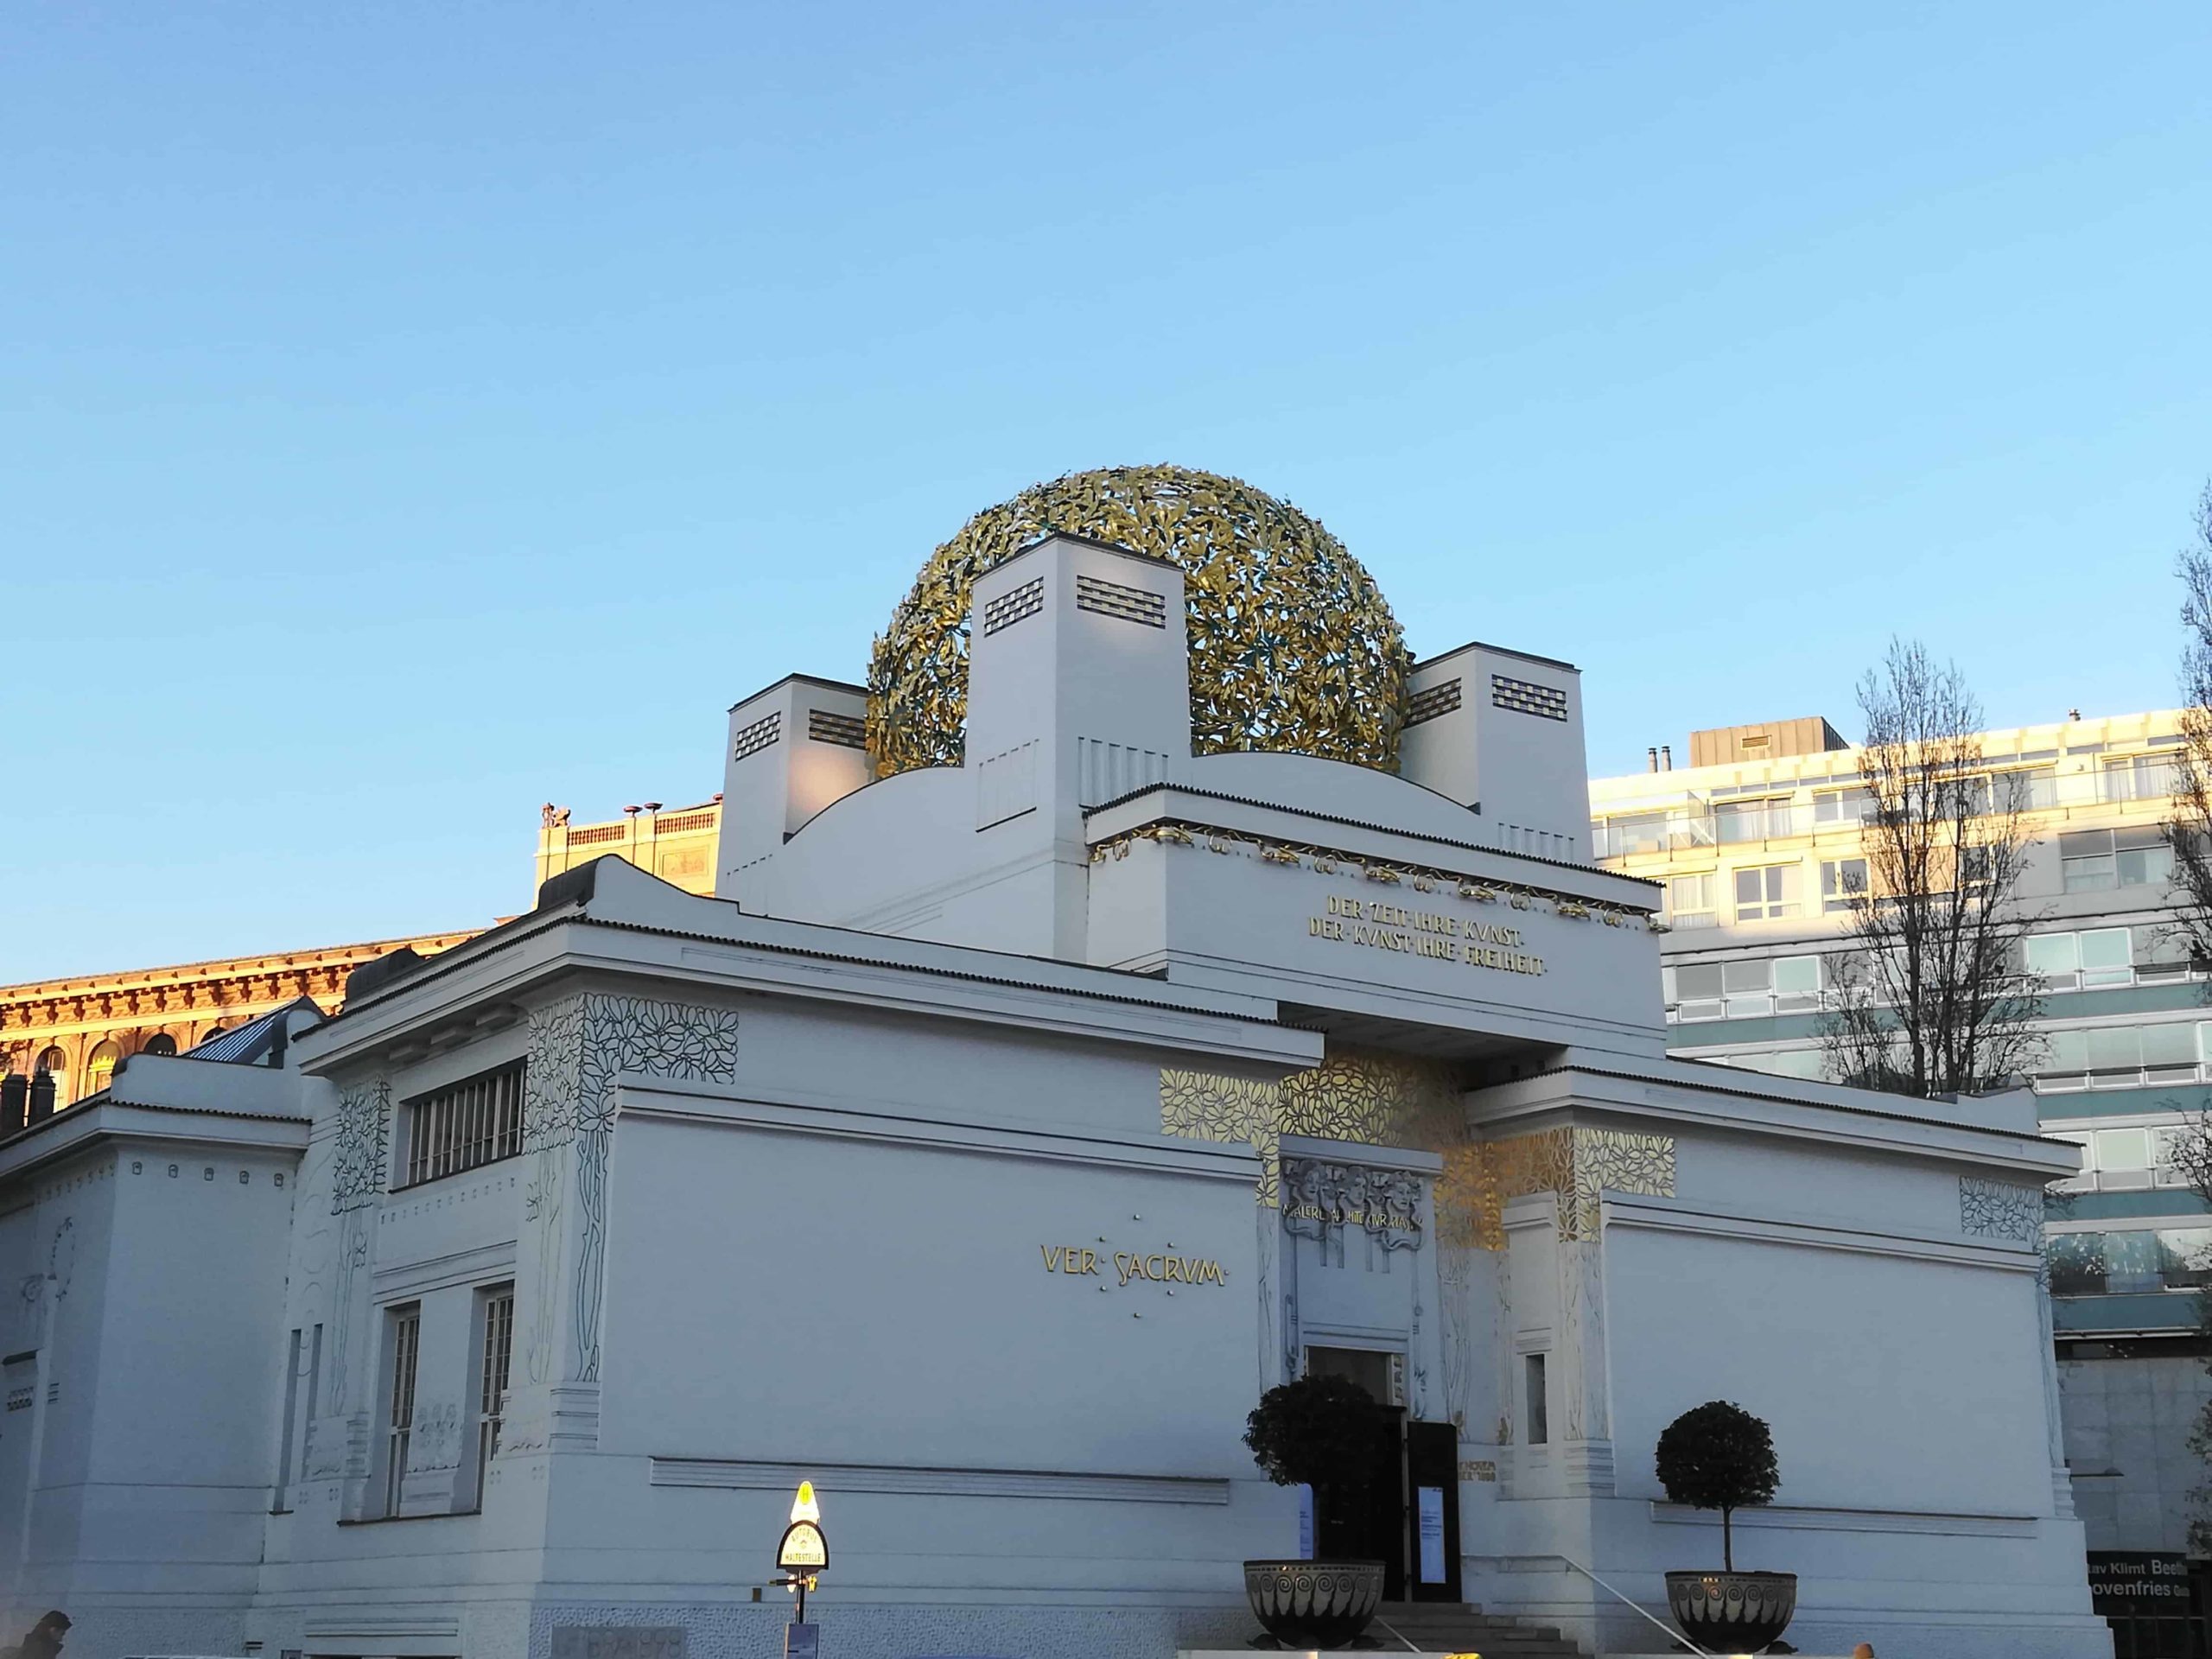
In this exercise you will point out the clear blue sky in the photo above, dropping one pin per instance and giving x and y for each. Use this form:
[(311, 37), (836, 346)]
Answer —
[(413, 412)]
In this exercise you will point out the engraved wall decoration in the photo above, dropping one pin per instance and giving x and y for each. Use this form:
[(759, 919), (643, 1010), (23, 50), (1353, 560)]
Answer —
[(2000, 1210), (580, 1048), (1291, 646), (358, 1158), (1324, 1197), (435, 1442), (360, 1155)]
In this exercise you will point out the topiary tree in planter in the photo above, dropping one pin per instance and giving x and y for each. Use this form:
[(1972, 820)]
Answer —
[(1718, 1455), (1325, 1433), (1319, 1432)]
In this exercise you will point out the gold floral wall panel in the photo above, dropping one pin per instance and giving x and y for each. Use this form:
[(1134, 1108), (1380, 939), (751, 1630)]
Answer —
[(1201, 1106), (1293, 647)]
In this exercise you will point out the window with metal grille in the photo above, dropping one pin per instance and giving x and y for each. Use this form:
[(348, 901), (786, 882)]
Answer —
[(846, 731), (406, 1345), (492, 1372), (1112, 599), (1009, 607), (1527, 697), (756, 737), (1431, 701), (477, 1120)]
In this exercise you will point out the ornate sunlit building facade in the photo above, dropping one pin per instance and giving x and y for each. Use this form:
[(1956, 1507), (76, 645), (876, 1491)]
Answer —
[(1151, 986), (78, 1030), (1757, 845)]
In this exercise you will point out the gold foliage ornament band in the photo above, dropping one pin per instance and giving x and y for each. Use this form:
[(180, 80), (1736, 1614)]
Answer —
[(1385, 1100), (1293, 647)]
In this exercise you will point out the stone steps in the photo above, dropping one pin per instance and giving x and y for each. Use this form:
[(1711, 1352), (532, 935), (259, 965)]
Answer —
[(1443, 1627)]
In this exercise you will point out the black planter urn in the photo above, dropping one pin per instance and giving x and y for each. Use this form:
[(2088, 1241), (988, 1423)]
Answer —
[(1732, 1612), (1313, 1604)]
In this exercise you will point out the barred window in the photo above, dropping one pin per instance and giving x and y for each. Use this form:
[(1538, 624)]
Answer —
[(474, 1121), (491, 1372), (399, 1426)]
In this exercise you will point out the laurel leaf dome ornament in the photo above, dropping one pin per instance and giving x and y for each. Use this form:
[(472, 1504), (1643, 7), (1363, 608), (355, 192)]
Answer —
[(1291, 646)]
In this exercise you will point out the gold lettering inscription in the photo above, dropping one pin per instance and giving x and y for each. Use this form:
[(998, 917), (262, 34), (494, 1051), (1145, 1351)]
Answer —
[(1066, 1258), (1157, 1268), (1386, 926)]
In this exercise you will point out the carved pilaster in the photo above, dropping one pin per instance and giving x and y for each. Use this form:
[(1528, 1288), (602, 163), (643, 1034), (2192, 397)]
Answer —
[(2014, 1214), (580, 1049)]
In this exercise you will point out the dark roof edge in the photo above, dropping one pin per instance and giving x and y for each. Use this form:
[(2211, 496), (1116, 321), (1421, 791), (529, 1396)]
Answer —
[(95, 1102), (809, 680), (1791, 1100), (1361, 823), (1502, 650)]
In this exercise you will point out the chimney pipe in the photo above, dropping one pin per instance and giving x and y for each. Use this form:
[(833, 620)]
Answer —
[(1666, 757), (1651, 759)]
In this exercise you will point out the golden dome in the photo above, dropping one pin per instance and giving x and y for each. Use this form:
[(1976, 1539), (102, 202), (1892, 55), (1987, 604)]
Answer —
[(1293, 647)]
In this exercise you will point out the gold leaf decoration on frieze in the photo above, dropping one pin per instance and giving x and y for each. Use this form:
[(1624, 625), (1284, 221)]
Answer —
[(1380, 1099), (1371, 1098), (1293, 647), (1580, 1165), (1202, 1106)]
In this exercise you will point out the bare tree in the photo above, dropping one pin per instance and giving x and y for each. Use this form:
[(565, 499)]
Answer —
[(2189, 832), (1931, 998), (2189, 829)]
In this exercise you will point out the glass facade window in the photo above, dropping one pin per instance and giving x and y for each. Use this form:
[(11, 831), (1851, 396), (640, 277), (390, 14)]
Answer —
[(2123, 1149), (2099, 860), (1767, 892), (1746, 987), (1842, 806), (2141, 777), (2132, 1261), (1693, 900), (2107, 957), (1842, 880), (1693, 990), (1740, 821), (2121, 1057), (2086, 863), (2033, 789), (1804, 1063)]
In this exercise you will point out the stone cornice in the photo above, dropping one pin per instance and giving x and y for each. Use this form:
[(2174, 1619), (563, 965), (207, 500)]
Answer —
[(1687, 1104), (766, 957)]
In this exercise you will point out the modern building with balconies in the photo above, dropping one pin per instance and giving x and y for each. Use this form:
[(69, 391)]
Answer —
[(1758, 843)]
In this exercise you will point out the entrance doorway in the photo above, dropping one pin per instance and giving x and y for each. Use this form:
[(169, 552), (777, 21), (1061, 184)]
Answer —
[(1406, 1513)]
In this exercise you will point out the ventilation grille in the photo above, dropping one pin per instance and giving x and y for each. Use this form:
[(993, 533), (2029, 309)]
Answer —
[(1010, 607), (1525, 698), (1131, 604), (848, 731), (1434, 701), (757, 736)]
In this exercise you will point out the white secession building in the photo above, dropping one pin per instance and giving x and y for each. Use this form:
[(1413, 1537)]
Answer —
[(1001, 1130)]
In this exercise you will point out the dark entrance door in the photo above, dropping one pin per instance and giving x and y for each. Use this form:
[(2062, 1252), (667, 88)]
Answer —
[(1368, 1522), (1433, 1495)]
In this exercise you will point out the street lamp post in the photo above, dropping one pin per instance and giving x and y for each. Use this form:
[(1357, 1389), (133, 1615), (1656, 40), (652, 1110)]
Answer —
[(803, 1556)]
